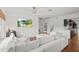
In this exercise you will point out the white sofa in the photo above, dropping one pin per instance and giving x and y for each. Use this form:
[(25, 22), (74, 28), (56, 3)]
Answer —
[(44, 44), (50, 43), (56, 45), (56, 42), (24, 45)]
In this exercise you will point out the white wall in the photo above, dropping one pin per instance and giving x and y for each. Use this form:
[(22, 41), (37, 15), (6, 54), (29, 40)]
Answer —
[(58, 21), (12, 14), (11, 21)]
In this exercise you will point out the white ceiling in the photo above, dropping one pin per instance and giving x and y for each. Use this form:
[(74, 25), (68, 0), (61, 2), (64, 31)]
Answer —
[(57, 11), (42, 11)]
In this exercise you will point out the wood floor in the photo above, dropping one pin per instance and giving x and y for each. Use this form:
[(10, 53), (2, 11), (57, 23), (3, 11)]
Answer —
[(73, 45)]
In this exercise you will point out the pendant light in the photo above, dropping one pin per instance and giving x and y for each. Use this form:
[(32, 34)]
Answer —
[(35, 10), (2, 15)]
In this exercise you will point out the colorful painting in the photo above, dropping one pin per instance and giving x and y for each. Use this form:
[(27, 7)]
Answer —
[(22, 22)]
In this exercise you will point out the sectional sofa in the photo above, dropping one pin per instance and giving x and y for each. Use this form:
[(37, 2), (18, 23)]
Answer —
[(55, 42)]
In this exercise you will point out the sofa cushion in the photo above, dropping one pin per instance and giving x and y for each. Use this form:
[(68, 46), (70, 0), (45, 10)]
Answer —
[(26, 46), (45, 39)]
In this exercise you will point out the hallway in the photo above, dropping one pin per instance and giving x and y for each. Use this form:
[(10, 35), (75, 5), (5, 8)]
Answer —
[(73, 45)]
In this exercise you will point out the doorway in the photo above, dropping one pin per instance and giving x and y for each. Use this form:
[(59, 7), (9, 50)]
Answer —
[(42, 26)]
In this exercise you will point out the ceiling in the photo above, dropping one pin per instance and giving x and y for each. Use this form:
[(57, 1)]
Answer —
[(58, 11), (42, 11)]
